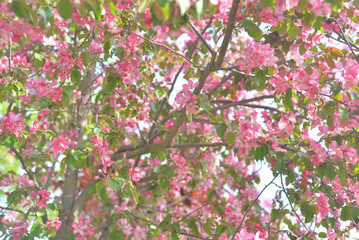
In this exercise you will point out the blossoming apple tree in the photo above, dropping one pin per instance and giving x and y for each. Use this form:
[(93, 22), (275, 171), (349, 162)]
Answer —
[(153, 119)]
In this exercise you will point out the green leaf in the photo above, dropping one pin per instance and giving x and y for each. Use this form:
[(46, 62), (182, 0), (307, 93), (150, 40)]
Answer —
[(346, 213), (322, 169), (113, 185), (302, 4), (135, 195), (293, 32), (71, 161), (220, 229), (65, 9), (192, 225), (344, 115), (260, 80), (103, 194), (19, 8), (14, 197), (322, 235), (329, 109), (144, 5), (280, 165), (308, 18), (261, 152), (267, 3), (230, 138), (318, 23), (308, 211), (342, 176), (46, 13), (287, 100), (10, 141), (329, 61), (221, 130), (253, 30), (165, 185), (174, 235), (68, 91), (207, 227), (99, 185), (331, 173), (75, 76), (205, 104)]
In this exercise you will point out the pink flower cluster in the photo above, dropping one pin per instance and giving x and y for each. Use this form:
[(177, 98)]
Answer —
[(320, 153), (44, 197), (104, 152), (257, 55), (55, 224), (95, 47), (13, 123), (323, 206), (83, 228), (59, 145), (18, 230), (39, 87), (24, 180), (186, 94), (308, 83), (135, 174)]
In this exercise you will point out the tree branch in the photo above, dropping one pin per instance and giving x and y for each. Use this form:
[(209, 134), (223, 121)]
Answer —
[(285, 192), (69, 213), (253, 202), (210, 49), (168, 48), (344, 38), (228, 33), (197, 145), (25, 168)]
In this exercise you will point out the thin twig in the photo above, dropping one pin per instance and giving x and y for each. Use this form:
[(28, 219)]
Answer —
[(168, 48), (253, 202), (210, 49), (290, 204), (52, 170), (188, 214), (25, 168), (336, 201), (345, 39)]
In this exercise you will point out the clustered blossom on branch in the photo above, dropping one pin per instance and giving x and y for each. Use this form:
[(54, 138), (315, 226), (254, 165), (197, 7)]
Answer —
[(156, 119)]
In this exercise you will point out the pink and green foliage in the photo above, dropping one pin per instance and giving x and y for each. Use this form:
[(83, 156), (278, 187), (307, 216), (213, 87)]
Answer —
[(154, 119)]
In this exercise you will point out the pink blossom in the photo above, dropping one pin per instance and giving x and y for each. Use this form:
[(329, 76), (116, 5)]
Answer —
[(54, 224), (60, 145), (14, 123), (44, 197), (95, 47), (18, 230), (83, 228), (24, 180), (331, 235), (322, 204)]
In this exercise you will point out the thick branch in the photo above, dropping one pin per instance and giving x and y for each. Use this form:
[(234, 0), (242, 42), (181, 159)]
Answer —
[(228, 33), (197, 145), (68, 214)]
